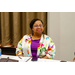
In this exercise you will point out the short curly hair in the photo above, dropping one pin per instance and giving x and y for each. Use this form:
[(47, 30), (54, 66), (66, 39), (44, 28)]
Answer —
[(33, 21)]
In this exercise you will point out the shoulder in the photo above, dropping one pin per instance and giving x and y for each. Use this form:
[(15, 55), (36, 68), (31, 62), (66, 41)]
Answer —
[(27, 36), (48, 38)]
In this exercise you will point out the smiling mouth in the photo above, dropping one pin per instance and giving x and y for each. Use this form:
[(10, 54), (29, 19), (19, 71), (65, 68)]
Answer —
[(38, 30)]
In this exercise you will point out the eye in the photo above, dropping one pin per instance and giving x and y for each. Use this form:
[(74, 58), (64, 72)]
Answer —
[(35, 26), (40, 25)]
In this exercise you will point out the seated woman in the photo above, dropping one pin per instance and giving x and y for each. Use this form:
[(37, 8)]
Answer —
[(36, 44)]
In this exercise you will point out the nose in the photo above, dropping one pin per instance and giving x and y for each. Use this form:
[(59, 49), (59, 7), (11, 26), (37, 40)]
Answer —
[(39, 27)]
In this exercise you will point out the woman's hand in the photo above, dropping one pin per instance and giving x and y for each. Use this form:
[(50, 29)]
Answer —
[(21, 55), (45, 57)]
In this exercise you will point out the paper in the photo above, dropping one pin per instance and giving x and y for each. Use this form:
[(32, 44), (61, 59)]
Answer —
[(27, 59), (38, 60), (44, 60), (24, 59)]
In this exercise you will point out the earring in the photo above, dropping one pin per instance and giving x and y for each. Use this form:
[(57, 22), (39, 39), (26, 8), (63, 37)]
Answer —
[(32, 32), (43, 32)]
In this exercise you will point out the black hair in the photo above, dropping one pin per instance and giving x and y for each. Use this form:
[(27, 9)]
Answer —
[(33, 21)]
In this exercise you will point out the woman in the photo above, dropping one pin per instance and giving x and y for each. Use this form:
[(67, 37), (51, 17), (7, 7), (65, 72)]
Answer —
[(37, 44)]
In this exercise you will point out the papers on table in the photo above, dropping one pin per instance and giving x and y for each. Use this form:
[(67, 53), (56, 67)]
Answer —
[(24, 59), (38, 60), (28, 59), (44, 60)]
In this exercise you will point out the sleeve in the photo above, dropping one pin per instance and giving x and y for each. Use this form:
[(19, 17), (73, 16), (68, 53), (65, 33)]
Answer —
[(19, 47), (51, 49)]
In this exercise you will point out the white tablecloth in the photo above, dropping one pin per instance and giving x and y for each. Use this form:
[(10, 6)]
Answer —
[(44, 60), (24, 59)]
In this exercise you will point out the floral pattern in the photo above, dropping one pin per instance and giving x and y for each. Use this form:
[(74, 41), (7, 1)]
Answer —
[(45, 47)]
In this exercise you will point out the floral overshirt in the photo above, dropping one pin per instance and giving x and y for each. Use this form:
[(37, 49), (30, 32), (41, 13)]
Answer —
[(46, 46)]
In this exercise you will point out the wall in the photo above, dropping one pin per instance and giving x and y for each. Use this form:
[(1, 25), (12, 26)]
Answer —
[(61, 28)]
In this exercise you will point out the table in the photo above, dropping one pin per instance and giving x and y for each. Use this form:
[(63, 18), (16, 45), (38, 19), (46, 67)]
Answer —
[(28, 59), (44, 60), (24, 59)]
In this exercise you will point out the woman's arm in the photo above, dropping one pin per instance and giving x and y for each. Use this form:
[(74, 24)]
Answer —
[(19, 51), (51, 49), (45, 57), (21, 55)]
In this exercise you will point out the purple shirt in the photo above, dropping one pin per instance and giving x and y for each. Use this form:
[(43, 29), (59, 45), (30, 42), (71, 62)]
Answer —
[(34, 46)]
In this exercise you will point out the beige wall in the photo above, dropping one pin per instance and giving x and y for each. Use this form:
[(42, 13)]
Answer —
[(61, 28)]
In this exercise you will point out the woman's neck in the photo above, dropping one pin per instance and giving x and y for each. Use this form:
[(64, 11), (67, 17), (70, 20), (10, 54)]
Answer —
[(36, 37)]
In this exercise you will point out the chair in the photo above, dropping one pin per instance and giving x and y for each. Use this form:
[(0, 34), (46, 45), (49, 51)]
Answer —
[(8, 51)]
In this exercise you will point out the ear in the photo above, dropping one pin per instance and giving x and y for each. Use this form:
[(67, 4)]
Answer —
[(32, 28), (43, 32), (43, 28)]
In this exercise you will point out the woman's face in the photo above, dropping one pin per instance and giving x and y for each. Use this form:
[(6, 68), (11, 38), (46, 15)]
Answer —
[(38, 27)]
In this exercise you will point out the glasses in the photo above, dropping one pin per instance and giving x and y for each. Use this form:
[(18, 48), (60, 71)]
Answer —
[(36, 26)]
